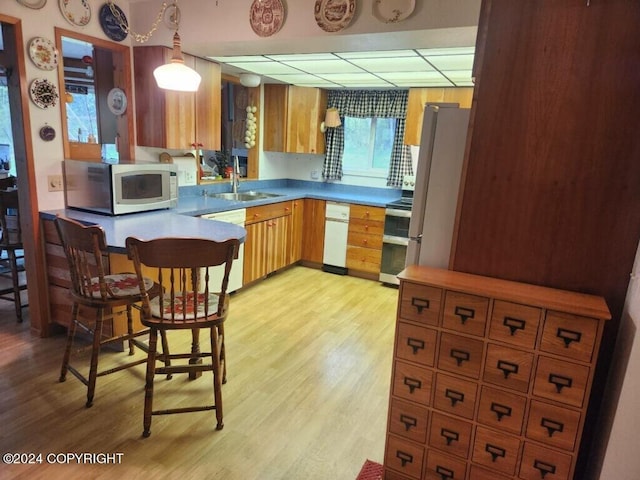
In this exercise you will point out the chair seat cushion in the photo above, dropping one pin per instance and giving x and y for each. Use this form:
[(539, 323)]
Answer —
[(121, 285), (184, 310)]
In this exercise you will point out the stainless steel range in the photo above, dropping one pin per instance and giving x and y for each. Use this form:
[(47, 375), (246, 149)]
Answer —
[(396, 233)]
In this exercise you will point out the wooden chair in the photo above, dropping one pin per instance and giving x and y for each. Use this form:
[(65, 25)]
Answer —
[(86, 251), (12, 266), (185, 302)]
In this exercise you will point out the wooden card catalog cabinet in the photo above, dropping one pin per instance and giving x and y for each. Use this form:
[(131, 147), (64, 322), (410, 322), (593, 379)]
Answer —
[(491, 378)]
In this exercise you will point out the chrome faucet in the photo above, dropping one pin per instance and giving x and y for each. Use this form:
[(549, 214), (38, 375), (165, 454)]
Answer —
[(235, 176)]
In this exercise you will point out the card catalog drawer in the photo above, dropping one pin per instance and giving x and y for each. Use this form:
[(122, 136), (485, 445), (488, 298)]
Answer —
[(455, 395), (553, 425), (412, 383), (502, 410), (444, 467), (508, 367), (408, 420), (420, 303), (404, 456), (465, 313), (560, 380), (451, 435), (416, 344), (569, 335), (478, 473), (544, 463), (460, 355), (514, 323), (496, 450)]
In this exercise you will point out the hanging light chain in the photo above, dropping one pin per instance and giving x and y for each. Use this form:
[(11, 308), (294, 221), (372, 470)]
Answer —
[(138, 37)]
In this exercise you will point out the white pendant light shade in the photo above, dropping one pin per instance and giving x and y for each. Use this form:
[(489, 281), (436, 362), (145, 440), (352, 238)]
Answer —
[(177, 76), (249, 80)]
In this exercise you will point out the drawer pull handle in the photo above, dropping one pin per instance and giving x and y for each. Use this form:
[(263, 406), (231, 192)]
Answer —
[(412, 383), (568, 336), (415, 344), (444, 472), (460, 356), (454, 396), (494, 451), (544, 467), (560, 382), (500, 410), (449, 436), (408, 421), (465, 313), (552, 426), (419, 303), (514, 324), (404, 457), (507, 368)]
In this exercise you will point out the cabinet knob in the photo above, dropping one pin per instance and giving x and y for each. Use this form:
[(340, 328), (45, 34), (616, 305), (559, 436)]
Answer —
[(365, 241), (366, 227), (286, 209), (256, 215)]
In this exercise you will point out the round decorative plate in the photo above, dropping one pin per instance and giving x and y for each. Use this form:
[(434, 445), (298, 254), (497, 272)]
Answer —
[(117, 101), (47, 133), (43, 53), (110, 23), (334, 15), (393, 11), (35, 4), (266, 17), (76, 12), (43, 93)]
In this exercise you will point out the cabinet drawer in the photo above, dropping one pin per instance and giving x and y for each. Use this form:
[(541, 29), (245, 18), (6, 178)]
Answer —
[(412, 382), (465, 313), (366, 226), (364, 259), (460, 355), (569, 335), (514, 323), (443, 467), (496, 450), (420, 303), (408, 420), (502, 410), (265, 212), (450, 435), (544, 463), (455, 395), (478, 473), (415, 343), (508, 367), (404, 456), (391, 475), (560, 380), (365, 240), (555, 426), (365, 212)]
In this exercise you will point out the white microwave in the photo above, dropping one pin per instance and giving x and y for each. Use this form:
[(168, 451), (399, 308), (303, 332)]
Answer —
[(116, 189)]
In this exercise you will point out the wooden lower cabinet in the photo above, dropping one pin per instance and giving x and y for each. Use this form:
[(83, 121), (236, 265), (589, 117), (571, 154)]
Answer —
[(491, 378), (364, 241), (313, 232), (297, 231)]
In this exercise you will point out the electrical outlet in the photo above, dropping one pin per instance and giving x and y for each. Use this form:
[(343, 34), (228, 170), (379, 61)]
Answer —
[(315, 174), (54, 183)]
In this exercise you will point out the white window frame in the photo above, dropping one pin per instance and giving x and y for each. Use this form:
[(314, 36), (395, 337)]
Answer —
[(370, 172)]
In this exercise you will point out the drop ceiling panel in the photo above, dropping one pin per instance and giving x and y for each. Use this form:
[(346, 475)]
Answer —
[(410, 64), (325, 66), (265, 68), (452, 62), (378, 54)]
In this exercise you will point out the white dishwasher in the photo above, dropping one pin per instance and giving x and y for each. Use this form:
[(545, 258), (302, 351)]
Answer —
[(237, 217), (336, 230)]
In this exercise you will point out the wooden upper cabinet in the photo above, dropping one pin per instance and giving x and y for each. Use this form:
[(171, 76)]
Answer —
[(292, 119), (418, 97), (168, 119)]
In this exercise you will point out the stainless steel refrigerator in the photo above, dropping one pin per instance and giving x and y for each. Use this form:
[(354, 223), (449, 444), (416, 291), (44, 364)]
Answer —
[(440, 158)]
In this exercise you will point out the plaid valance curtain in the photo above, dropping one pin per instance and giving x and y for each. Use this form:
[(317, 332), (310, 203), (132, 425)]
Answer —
[(368, 104)]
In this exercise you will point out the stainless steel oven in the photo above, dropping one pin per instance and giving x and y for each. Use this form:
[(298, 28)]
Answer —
[(396, 233)]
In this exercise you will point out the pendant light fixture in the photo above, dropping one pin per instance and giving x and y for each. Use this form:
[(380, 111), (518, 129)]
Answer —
[(174, 75)]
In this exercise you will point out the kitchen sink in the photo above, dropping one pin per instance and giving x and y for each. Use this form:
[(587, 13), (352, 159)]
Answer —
[(244, 196)]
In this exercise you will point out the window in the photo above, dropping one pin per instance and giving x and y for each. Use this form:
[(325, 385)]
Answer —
[(368, 143)]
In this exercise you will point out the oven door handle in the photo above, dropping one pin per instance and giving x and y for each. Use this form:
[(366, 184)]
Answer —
[(417, 239), (395, 240), (394, 212)]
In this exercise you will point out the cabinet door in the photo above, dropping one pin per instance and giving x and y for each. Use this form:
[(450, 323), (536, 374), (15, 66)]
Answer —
[(295, 238), (254, 266), (180, 115), (306, 107), (313, 232), (276, 243), (207, 105), (275, 117), (150, 100)]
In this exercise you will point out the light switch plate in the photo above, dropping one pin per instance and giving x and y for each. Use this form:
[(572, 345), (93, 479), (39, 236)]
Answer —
[(54, 183)]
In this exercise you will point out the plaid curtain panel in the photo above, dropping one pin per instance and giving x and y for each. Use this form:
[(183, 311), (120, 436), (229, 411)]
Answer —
[(368, 104)]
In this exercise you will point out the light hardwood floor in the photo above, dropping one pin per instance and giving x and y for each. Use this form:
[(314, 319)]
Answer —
[(309, 366)]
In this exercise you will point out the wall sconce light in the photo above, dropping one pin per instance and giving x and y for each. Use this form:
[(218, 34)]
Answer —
[(249, 80), (331, 119)]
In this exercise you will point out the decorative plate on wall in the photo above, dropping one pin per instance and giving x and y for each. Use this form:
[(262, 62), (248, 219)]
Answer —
[(47, 133), (43, 53), (117, 101), (266, 17), (76, 12), (35, 4), (393, 11), (334, 15), (43, 93), (111, 25)]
